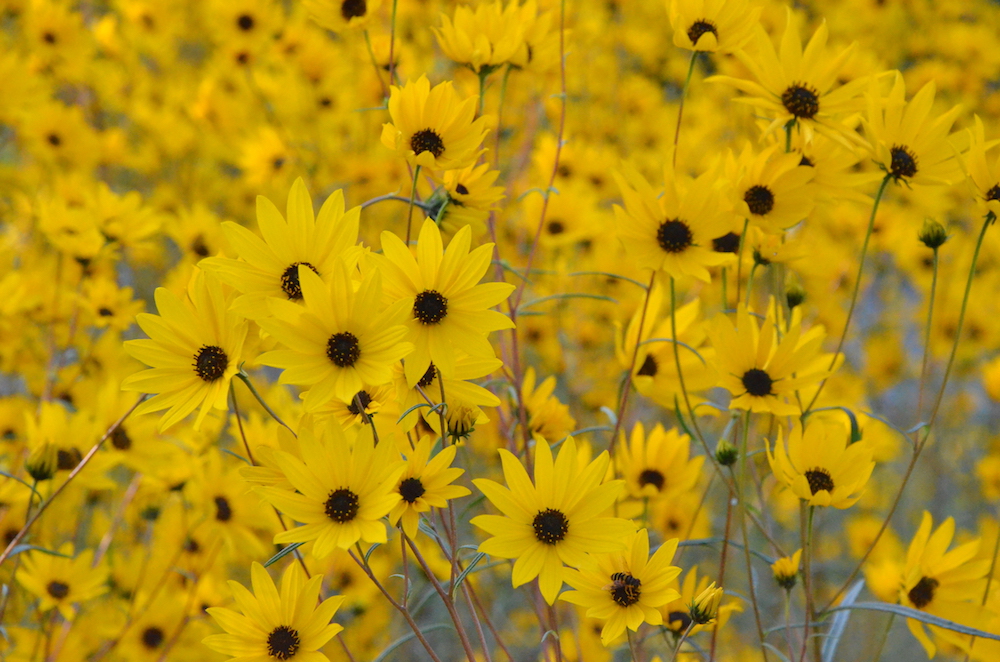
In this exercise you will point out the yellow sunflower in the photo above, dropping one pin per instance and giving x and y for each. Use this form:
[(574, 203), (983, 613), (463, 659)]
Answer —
[(483, 38), (286, 626), (804, 87), (61, 581), (554, 521), (625, 588), (434, 127), (195, 348), (760, 371), (771, 189), (909, 143), (713, 26), (270, 267), (984, 174), (658, 464), (947, 584), (340, 15), (426, 482), (672, 231), (820, 465), (449, 310), (339, 339), (342, 492)]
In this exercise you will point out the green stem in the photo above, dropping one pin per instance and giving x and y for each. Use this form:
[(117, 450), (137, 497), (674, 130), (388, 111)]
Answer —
[(927, 335), (744, 509), (986, 591), (626, 389), (857, 283), (378, 72), (409, 209), (739, 257), (392, 44), (680, 109), (680, 642), (753, 270), (246, 380)]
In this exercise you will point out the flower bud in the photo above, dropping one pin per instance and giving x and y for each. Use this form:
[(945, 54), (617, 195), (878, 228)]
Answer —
[(706, 606), (726, 454), (786, 570), (795, 296), (933, 234)]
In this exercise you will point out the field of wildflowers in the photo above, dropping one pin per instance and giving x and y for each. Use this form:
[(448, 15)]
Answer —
[(522, 330)]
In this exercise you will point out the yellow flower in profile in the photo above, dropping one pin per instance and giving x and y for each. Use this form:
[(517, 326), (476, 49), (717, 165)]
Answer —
[(786, 570), (801, 86), (771, 189), (466, 197), (672, 231), (339, 339), (483, 38), (677, 615), (554, 521), (269, 267), (627, 588), (909, 143), (712, 26), (658, 464), (450, 309), (195, 348), (946, 584), (761, 371), (284, 626), (546, 415), (342, 491), (704, 608), (340, 15), (426, 483), (984, 174), (61, 581), (459, 388), (434, 127), (820, 465)]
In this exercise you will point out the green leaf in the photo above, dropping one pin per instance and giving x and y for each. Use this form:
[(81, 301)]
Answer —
[(370, 550), (773, 649), (462, 575), (839, 624), (609, 275), (35, 548), (26, 484), (283, 553), (568, 295), (675, 342), (917, 615), (236, 455), (407, 637)]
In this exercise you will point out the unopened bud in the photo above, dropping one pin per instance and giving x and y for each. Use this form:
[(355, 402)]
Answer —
[(933, 234), (726, 454), (795, 295)]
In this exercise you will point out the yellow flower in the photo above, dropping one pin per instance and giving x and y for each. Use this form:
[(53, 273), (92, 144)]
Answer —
[(449, 310), (340, 15), (983, 175), (945, 584), (62, 581), (433, 127), (466, 197), (908, 143), (426, 483), (627, 588), (554, 521), (546, 415), (786, 570), (677, 615), (483, 38), (339, 339), (771, 189), (820, 465), (270, 267), (342, 492), (801, 86), (713, 26), (460, 388), (760, 371), (704, 608), (195, 348), (672, 232), (657, 465), (284, 626)]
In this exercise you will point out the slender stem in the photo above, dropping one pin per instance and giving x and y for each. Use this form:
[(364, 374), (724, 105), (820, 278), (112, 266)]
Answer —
[(722, 565), (627, 387), (788, 623), (986, 591), (378, 69), (885, 636), (687, 631), (246, 380), (392, 44), (483, 74), (632, 652), (486, 618), (409, 210), (807, 554), (680, 109), (739, 257), (239, 422), (503, 97), (391, 196), (69, 479), (744, 509), (857, 284), (927, 335), (753, 270)]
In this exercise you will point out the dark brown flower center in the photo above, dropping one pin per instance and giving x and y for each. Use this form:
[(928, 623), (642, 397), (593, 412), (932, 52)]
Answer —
[(54, 139), (427, 140), (679, 621), (211, 362), (550, 526), (699, 28), (353, 9), (245, 22), (343, 349), (430, 307), (57, 590), (428, 377), (152, 637), (283, 642), (904, 162), (922, 593), (461, 189), (993, 193), (674, 235), (727, 243), (223, 511), (411, 489), (290, 280), (341, 506), (68, 458), (120, 439), (361, 397), (625, 589), (757, 382), (652, 477), (759, 199), (819, 479), (649, 367), (801, 100)]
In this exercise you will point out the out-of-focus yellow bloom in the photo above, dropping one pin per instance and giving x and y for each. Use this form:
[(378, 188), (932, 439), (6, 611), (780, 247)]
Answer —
[(483, 38), (984, 175), (713, 26), (786, 570), (705, 607), (340, 15)]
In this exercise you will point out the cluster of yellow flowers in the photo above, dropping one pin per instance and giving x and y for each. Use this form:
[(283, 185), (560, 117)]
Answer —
[(587, 329)]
